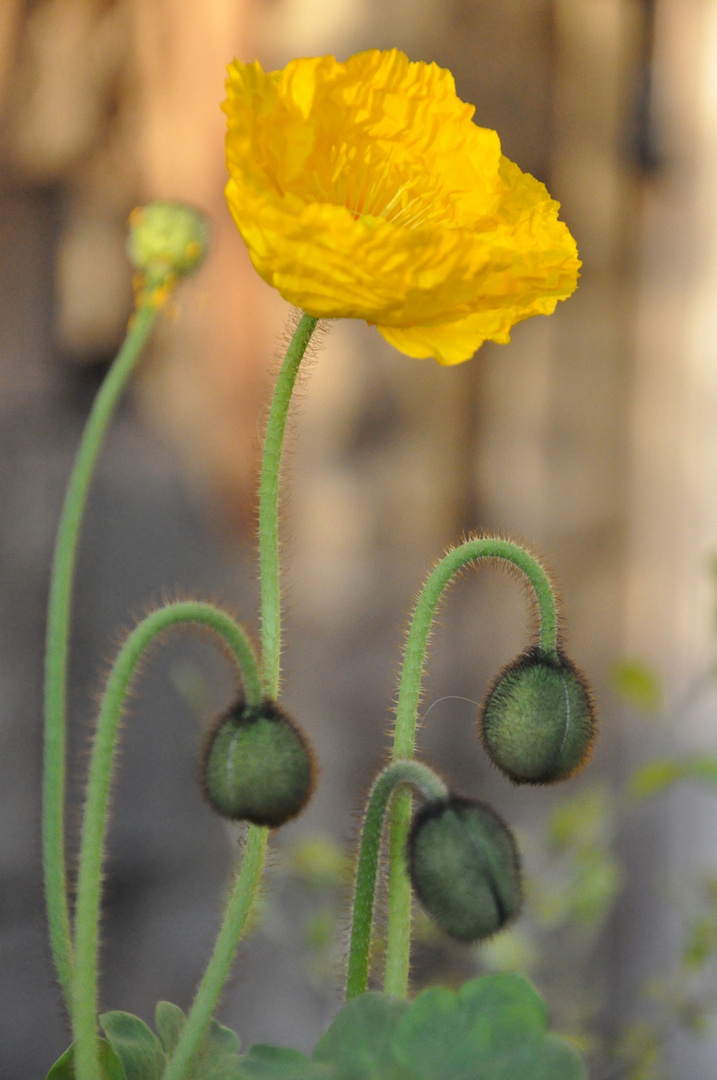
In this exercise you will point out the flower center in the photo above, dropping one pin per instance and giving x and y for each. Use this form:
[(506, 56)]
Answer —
[(371, 184)]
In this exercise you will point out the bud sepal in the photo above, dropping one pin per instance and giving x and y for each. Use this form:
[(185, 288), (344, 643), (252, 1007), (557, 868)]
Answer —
[(464, 867), (257, 765), (538, 720)]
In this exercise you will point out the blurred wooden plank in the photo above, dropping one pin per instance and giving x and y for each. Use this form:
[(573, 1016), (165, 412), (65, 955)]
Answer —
[(674, 516), (70, 56), (10, 15), (670, 594), (598, 48)]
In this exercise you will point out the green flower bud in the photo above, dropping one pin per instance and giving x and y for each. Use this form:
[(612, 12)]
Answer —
[(257, 765), (166, 239), (464, 867), (538, 720)]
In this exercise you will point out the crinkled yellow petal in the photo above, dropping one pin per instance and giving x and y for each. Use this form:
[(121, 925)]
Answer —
[(364, 190), (449, 343)]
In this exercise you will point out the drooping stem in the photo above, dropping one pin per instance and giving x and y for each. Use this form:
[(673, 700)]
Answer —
[(397, 774), (94, 826), (57, 639), (248, 878), (419, 632), (217, 971), (269, 507), (399, 912)]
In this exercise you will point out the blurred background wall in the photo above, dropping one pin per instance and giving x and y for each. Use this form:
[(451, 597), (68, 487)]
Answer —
[(592, 436)]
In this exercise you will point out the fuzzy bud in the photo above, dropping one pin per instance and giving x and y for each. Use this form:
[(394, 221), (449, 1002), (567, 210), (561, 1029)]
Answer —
[(538, 720), (464, 867), (167, 239), (257, 765)]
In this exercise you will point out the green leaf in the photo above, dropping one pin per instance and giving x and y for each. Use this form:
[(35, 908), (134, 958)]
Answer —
[(660, 774), (358, 1043), (169, 1021), (63, 1068), (637, 685), (111, 1066), (275, 1063), (221, 1038), (494, 1028), (136, 1045), (217, 1060)]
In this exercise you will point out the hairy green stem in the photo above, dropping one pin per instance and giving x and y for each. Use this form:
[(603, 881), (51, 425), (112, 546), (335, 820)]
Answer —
[(57, 643), (252, 864), (399, 911), (269, 507), (392, 777), (94, 826), (217, 971)]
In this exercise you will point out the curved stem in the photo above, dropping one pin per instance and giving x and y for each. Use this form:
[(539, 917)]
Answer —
[(57, 641), (247, 880), (399, 913), (217, 971), (269, 507), (395, 775), (84, 990)]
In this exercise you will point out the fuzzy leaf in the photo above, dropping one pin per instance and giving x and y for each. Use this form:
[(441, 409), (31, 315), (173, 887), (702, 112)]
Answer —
[(276, 1063), (222, 1038), (136, 1045), (358, 1043), (63, 1068), (494, 1028), (110, 1064), (217, 1060), (169, 1021)]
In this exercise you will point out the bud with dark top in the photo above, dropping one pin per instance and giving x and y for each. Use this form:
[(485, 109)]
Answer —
[(257, 765), (464, 867), (538, 720)]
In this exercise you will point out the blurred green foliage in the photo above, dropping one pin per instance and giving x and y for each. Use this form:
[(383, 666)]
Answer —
[(656, 776), (637, 685), (497, 1024)]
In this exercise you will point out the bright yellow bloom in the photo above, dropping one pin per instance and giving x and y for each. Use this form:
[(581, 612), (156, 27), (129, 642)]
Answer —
[(364, 190)]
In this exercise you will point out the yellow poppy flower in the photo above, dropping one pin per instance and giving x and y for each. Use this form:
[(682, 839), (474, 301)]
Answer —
[(364, 190)]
